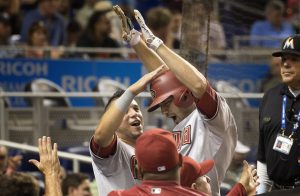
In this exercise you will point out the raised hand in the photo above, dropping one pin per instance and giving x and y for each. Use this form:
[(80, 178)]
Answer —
[(152, 41), (249, 178), (49, 165), (141, 84), (129, 34), (49, 162)]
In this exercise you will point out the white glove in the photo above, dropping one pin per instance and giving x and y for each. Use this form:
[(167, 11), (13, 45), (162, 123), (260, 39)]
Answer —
[(152, 41)]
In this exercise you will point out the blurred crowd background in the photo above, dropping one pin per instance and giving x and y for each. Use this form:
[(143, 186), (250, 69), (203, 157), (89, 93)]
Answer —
[(91, 24)]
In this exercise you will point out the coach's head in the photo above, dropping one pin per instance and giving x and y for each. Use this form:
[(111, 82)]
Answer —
[(290, 61), (157, 155)]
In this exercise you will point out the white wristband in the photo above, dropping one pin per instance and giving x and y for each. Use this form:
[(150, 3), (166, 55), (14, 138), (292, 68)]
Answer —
[(156, 42), (124, 101)]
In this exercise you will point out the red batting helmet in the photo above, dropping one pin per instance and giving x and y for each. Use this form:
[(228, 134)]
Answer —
[(165, 86)]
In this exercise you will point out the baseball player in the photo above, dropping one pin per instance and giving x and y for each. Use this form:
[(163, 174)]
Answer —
[(112, 145), (205, 127)]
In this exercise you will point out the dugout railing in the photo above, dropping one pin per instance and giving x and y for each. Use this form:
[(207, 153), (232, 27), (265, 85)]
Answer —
[(74, 126)]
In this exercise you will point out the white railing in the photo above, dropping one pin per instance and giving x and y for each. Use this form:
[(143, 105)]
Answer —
[(102, 94), (124, 51), (74, 157)]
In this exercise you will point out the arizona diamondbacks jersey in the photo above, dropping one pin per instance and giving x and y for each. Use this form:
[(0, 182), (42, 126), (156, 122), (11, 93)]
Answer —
[(117, 171), (215, 138)]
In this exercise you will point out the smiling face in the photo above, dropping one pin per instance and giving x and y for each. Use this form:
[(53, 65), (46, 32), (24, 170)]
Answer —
[(170, 110), (132, 125), (290, 71)]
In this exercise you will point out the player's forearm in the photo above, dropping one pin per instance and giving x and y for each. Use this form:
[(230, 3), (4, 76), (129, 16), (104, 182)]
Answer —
[(148, 57), (184, 71), (112, 118), (108, 125), (52, 185)]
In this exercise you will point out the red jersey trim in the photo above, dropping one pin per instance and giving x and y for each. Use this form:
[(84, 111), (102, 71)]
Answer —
[(238, 189), (104, 152), (208, 103)]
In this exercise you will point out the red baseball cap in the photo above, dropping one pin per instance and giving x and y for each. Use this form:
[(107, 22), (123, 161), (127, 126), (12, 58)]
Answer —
[(156, 151), (191, 170)]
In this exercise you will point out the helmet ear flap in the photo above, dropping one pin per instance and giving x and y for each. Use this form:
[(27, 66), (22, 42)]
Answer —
[(183, 99)]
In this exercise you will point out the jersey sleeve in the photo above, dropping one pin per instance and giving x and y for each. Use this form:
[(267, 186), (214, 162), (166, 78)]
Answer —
[(208, 103), (103, 152), (237, 190), (222, 122), (110, 164)]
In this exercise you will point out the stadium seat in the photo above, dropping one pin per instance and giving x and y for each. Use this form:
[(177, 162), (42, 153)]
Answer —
[(44, 85)]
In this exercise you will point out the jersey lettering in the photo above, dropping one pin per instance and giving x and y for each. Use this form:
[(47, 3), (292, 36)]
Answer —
[(177, 137), (186, 139), (183, 137)]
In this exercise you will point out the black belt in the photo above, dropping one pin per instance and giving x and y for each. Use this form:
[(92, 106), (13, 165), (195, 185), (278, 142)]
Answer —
[(292, 186)]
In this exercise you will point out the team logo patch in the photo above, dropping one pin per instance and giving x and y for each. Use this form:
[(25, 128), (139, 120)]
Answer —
[(267, 119), (289, 43), (161, 168), (153, 93), (155, 191)]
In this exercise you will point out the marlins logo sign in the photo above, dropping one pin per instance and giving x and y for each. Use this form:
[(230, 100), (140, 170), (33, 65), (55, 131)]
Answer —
[(289, 43)]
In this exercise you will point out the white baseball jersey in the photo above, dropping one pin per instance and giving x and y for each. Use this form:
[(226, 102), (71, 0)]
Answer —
[(215, 138), (117, 171)]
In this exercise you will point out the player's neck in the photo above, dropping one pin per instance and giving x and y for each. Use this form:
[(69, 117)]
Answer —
[(127, 141), (168, 176)]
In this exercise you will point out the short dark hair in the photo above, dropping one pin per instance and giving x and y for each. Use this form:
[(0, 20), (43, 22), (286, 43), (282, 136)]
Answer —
[(116, 95), (73, 180), (36, 26), (18, 184)]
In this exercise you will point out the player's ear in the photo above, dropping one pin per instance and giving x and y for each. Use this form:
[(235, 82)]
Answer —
[(194, 186)]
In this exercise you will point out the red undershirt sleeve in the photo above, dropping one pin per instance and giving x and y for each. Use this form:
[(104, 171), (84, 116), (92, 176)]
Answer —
[(104, 152), (208, 103), (237, 190)]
